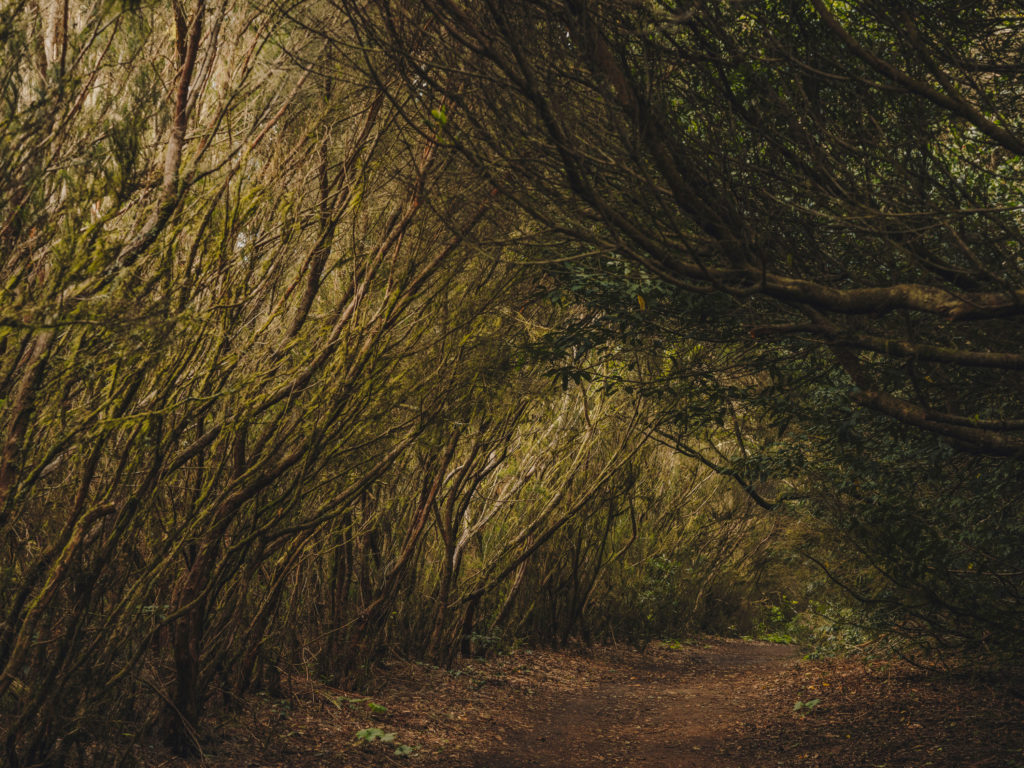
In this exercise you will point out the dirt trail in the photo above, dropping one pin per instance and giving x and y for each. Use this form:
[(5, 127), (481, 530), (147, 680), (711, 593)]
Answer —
[(719, 704), (670, 712)]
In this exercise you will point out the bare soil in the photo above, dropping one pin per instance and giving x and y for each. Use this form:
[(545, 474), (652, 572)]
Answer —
[(716, 704)]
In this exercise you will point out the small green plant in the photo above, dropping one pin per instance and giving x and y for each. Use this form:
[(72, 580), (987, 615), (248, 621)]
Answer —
[(371, 735), (806, 707), (376, 709)]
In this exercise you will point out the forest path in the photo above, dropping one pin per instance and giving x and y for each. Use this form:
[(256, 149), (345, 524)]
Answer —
[(676, 710), (709, 704)]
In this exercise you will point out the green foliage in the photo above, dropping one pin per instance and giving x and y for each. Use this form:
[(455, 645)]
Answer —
[(370, 735), (804, 708), (781, 624), (440, 114), (374, 735)]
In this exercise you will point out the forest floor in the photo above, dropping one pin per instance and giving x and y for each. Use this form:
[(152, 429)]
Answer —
[(712, 704)]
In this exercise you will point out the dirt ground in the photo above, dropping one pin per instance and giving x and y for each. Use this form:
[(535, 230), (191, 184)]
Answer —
[(715, 704)]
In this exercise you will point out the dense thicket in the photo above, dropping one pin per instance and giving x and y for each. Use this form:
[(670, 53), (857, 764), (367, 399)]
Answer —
[(266, 397), (335, 329)]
